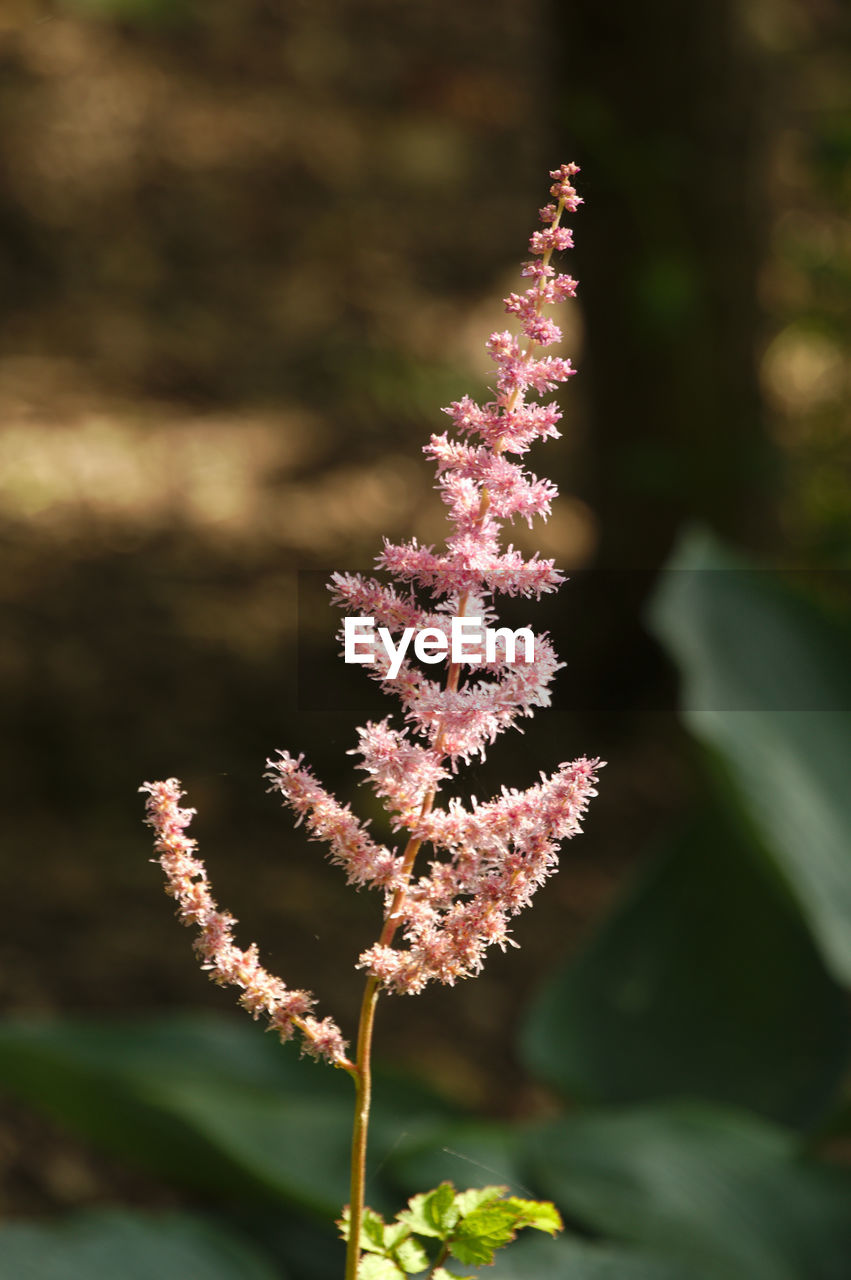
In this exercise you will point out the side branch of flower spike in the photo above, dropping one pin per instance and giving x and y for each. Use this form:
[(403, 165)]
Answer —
[(500, 853), (351, 846), (286, 1010)]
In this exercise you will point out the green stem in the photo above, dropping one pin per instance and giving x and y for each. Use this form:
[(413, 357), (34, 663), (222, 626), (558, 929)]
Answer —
[(439, 1261), (362, 1072), (363, 1068), (363, 1098)]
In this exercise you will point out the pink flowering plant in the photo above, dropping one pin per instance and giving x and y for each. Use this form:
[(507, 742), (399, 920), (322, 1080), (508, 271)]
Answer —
[(460, 871)]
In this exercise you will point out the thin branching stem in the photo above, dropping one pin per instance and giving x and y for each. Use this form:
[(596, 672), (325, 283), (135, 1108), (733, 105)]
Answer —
[(362, 1075)]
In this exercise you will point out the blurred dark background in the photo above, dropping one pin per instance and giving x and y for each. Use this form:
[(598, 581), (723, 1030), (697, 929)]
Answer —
[(247, 251)]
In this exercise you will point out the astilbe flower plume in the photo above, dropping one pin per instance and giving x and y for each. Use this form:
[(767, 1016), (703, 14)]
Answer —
[(487, 859), (227, 964)]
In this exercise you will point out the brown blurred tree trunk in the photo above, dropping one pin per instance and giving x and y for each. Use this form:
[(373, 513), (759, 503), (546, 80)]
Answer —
[(663, 106)]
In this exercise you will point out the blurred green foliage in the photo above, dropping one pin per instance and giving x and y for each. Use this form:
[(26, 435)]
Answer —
[(700, 1041), (704, 981), (293, 207), (134, 1246), (766, 686)]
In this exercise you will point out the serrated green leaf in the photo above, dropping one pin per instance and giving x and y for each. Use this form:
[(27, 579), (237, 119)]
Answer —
[(483, 1231), (371, 1267), (474, 1253), (490, 1220), (539, 1214), (372, 1231), (394, 1234), (442, 1274), (432, 1213), (440, 1207), (415, 1219), (467, 1201), (411, 1256)]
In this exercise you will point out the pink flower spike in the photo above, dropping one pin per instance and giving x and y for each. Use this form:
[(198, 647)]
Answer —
[(262, 992), (484, 861)]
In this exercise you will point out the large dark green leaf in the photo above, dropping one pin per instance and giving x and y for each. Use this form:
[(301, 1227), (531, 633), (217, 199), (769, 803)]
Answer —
[(207, 1102), (705, 982), (108, 1244), (566, 1259), (767, 686), (721, 1193)]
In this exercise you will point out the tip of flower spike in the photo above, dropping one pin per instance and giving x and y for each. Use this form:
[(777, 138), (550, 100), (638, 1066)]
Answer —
[(563, 188)]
